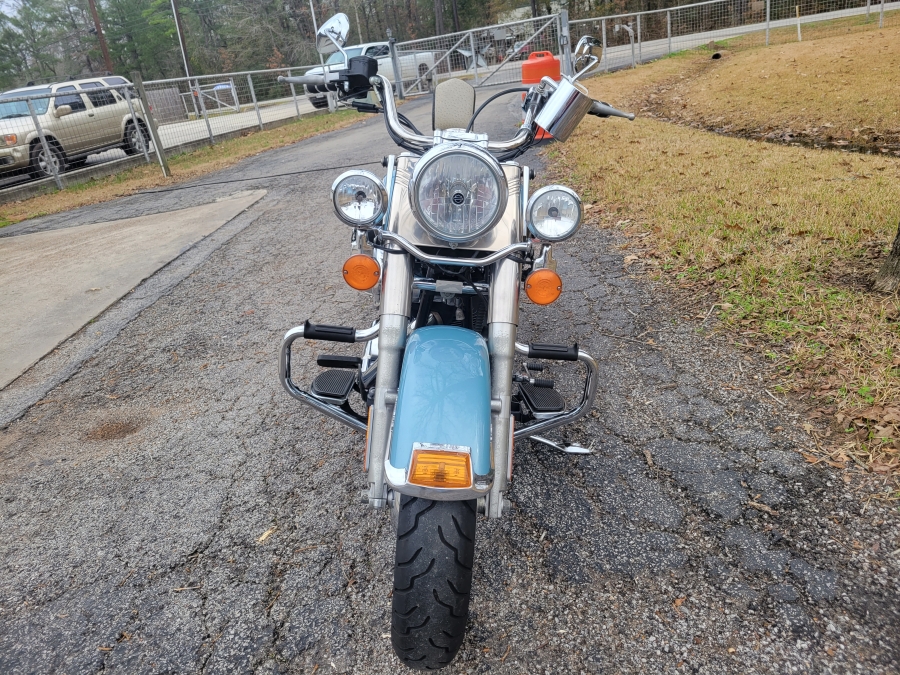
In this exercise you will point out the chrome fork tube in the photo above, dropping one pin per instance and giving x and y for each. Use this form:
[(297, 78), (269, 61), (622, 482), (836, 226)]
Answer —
[(504, 318), (396, 303)]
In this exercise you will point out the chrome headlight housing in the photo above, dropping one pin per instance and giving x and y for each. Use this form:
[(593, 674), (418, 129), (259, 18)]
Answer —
[(359, 198), (457, 192), (553, 213)]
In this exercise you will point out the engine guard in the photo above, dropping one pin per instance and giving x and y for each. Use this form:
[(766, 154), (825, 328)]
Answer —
[(444, 399)]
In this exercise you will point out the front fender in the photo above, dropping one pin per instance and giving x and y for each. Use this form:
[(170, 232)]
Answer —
[(444, 398)]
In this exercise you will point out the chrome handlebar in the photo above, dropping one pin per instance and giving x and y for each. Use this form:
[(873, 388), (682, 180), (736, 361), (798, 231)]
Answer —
[(386, 94)]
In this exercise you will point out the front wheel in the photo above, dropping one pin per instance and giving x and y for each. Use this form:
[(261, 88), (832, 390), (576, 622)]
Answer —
[(432, 580)]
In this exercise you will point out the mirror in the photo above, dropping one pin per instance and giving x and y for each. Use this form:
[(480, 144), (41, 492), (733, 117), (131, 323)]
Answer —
[(332, 35), (63, 110), (583, 58)]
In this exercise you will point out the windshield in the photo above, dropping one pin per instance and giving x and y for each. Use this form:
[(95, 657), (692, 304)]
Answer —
[(20, 108), (337, 57)]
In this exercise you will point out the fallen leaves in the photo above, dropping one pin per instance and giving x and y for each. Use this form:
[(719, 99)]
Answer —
[(265, 535)]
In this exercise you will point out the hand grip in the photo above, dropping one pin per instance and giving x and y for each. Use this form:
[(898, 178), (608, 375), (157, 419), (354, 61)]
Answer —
[(601, 109), (553, 352), (545, 384), (312, 331)]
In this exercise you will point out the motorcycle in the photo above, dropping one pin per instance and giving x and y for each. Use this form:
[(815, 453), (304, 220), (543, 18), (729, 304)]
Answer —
[(445, 242)]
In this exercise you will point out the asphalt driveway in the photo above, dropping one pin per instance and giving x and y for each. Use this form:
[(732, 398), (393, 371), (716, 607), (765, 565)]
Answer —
[(167, 508)]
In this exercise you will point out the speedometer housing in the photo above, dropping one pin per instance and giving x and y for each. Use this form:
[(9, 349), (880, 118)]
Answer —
[(457, 192)]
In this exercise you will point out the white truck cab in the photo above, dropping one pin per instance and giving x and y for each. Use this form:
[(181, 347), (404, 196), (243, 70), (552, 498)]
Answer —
[(413, 65)]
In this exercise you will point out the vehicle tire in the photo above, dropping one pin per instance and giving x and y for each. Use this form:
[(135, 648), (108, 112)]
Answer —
[(319, 103), (426, 83), (131, 144), (432, 580), (39, 167)]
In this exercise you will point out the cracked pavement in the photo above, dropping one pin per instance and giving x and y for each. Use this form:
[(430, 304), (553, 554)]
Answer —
[(167, 508)]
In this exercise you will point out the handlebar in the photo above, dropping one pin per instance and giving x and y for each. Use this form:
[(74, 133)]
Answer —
[(601, 109)]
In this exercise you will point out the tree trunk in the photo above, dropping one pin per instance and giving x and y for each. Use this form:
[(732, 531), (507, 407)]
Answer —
[(439, 17), (888, 278)]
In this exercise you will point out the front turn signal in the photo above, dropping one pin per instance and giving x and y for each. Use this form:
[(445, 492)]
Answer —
[(543, 286), (361, 272), (440, 469)]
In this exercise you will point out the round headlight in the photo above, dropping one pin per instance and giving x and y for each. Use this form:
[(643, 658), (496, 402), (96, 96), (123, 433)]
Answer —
[(553, 213), (457, 192), (359, 198)]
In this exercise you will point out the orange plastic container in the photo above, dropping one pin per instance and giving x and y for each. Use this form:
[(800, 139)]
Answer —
[(536, 66)]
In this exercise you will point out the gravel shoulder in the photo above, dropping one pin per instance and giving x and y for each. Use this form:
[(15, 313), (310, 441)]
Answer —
[(167, 508)]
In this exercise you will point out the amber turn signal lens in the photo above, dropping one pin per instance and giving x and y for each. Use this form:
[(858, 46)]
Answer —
[(361, 272), (543, 287), (440, 469)]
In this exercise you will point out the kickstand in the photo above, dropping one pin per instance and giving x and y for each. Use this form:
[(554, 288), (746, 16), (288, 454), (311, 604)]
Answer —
[(569, 449)]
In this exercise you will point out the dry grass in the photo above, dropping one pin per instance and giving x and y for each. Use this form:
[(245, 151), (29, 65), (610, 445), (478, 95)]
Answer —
[(784, 240), (184, 167), (844, 91)]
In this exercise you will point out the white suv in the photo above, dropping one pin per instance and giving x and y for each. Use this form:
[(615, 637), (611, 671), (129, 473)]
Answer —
[(79, 118)]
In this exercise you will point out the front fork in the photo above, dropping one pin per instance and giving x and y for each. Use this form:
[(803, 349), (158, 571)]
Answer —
[(396, 306)]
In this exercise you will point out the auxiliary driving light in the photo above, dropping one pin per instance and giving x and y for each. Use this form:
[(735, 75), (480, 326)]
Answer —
[(553, 213), (359, 198), (543, 286), (361, 272), (440, 468)]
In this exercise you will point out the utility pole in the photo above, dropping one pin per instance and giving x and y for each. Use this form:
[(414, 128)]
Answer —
[(99, 29), (534, 9), (187, 67)]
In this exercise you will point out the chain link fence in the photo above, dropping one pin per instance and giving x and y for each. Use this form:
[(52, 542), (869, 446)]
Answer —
[(634, 38), (484, 56), (198, 110), (60, 134), (64, 133)]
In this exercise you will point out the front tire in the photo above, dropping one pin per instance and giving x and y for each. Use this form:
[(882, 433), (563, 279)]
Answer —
[(132, 142), (432, 580), (39, 166)]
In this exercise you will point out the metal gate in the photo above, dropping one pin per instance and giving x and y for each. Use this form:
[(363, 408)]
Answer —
[(485, 56)]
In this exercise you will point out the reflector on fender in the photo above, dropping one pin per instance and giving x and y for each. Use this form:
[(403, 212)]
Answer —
[(440, 466), (543, 286), (361, 272)]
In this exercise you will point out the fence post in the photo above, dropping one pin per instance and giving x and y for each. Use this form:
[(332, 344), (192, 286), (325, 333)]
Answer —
[(134, 120), (640, 55), (799, 37), (398, 76), (474, 56), (294, 95), (195, 90), (255, 104), (881, 16), (565, 42), (603, 39), (154, 132), (49, 157), (669, 29), (768, 17), (868, 9)]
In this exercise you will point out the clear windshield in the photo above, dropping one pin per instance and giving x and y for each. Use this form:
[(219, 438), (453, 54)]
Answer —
[(14, 109), (337, 57)]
